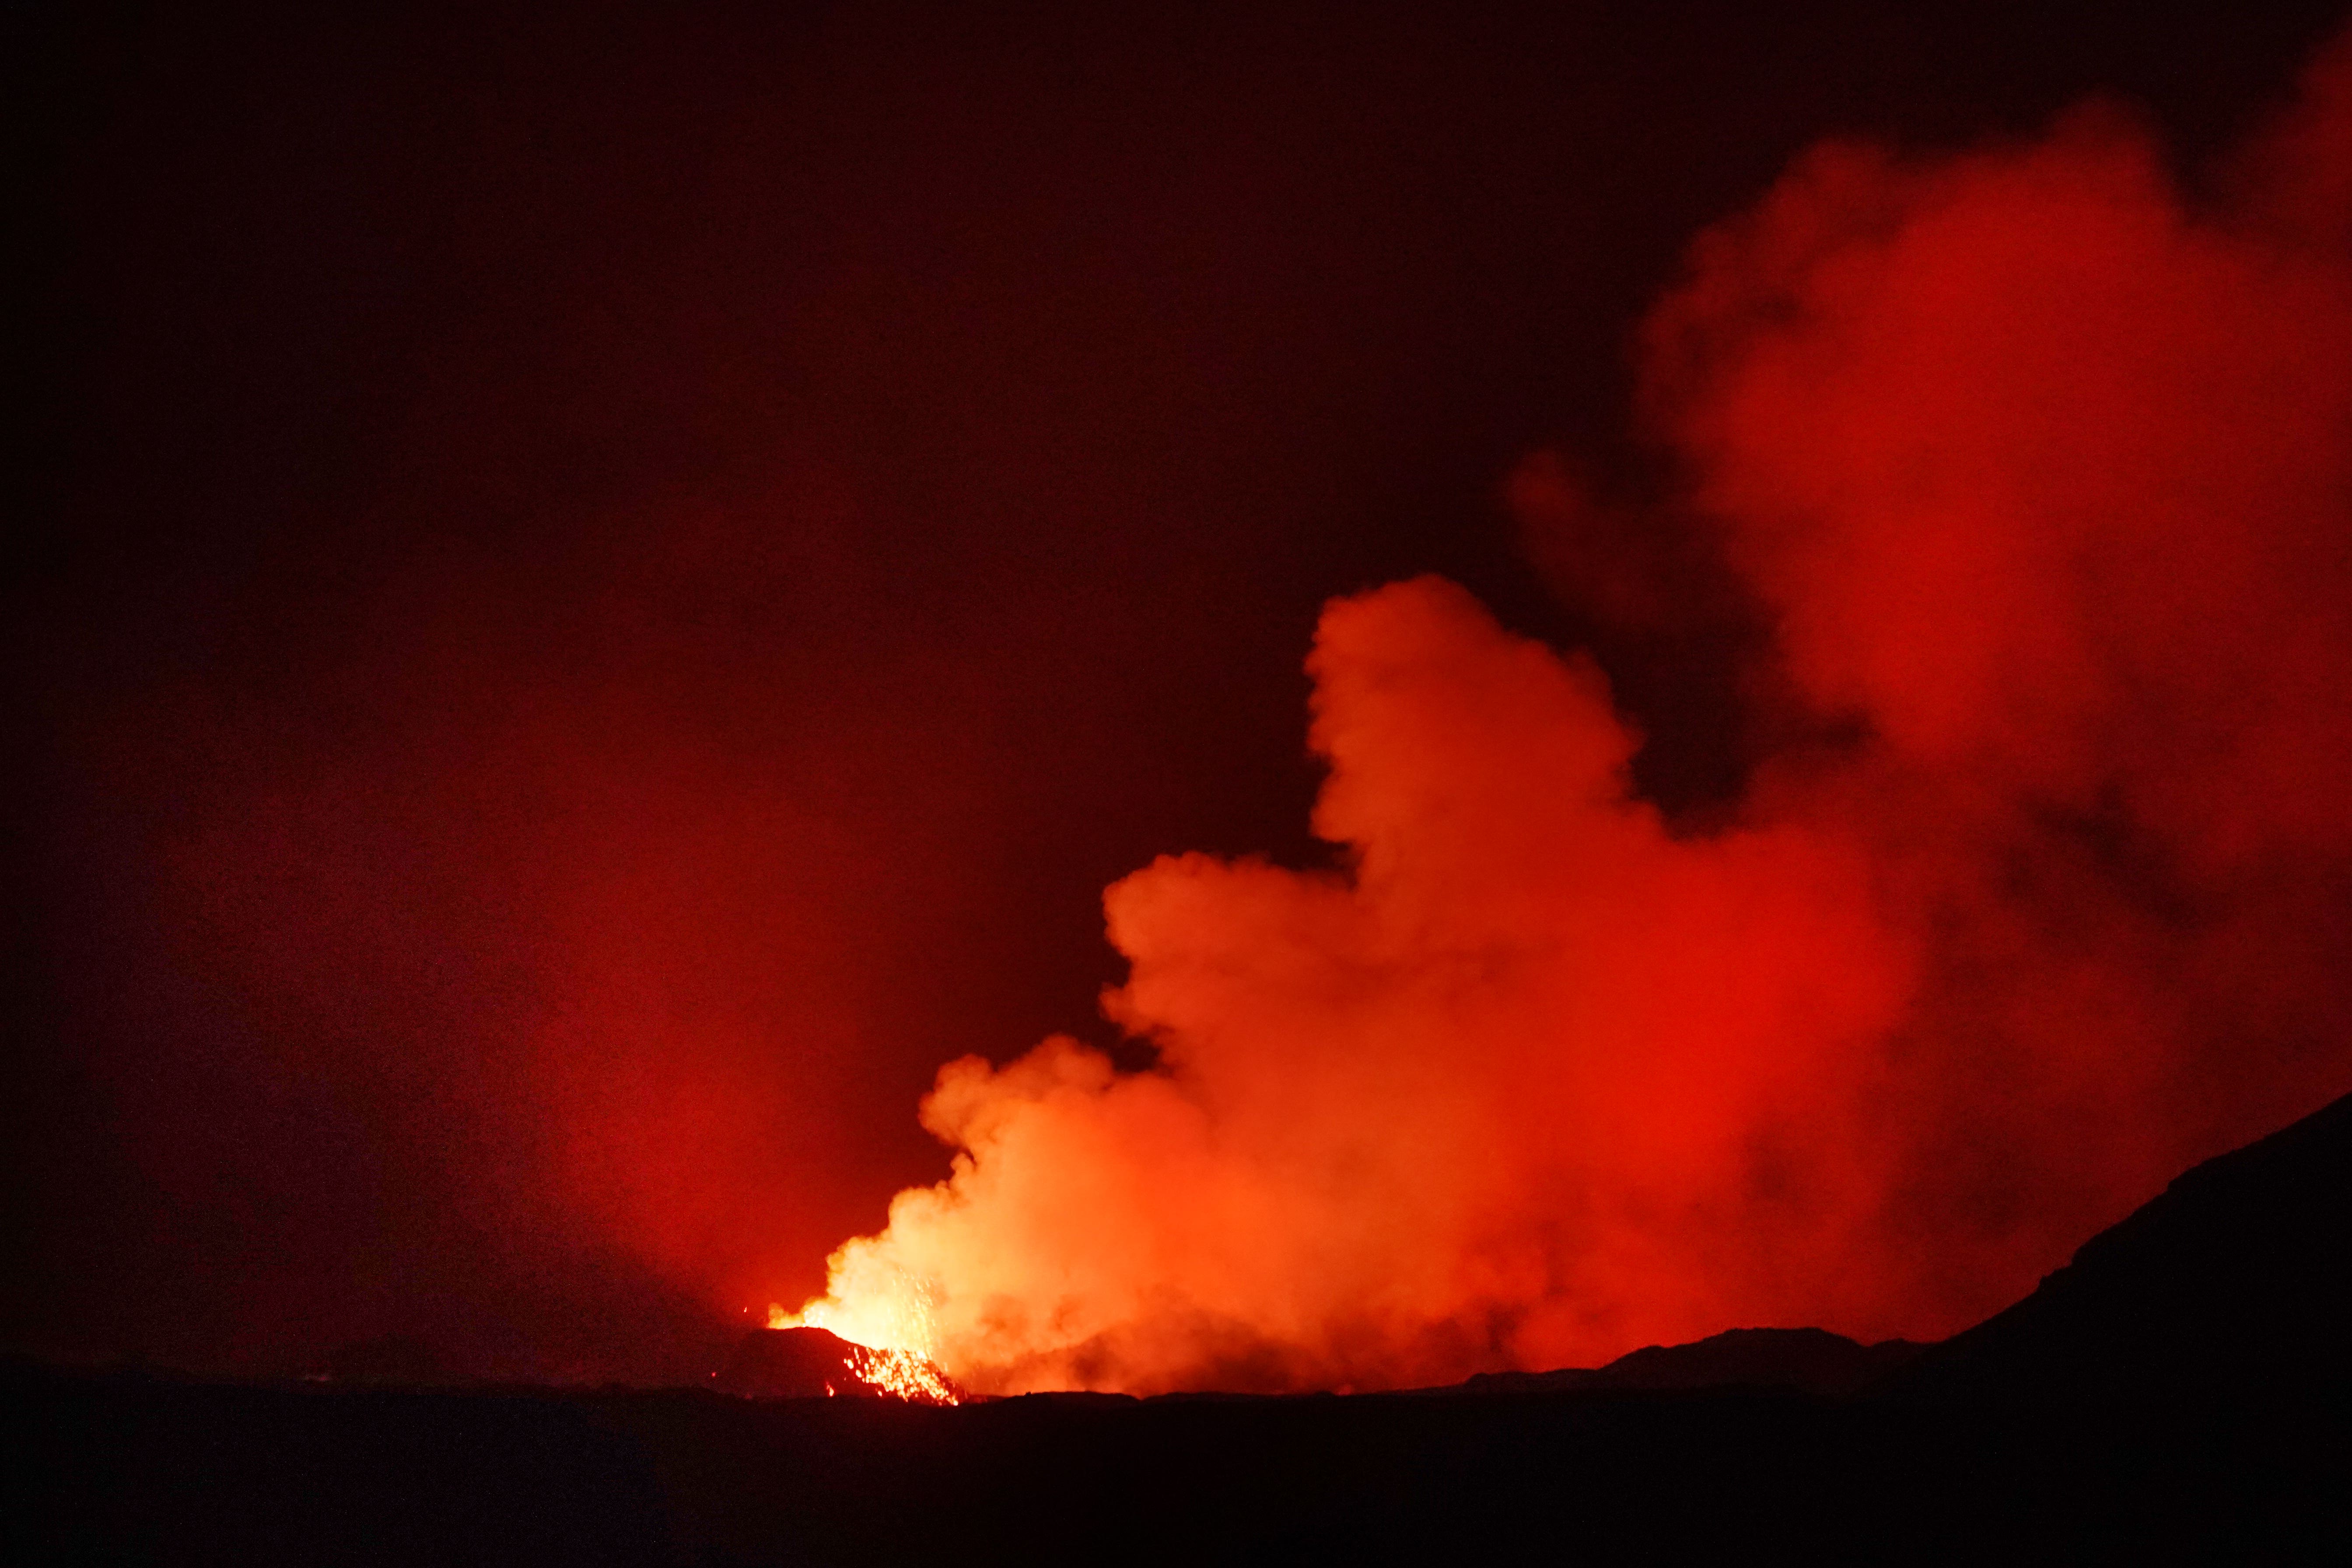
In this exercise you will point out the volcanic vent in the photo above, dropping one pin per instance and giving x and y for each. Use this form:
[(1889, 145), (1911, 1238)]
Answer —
[(816, 1363)]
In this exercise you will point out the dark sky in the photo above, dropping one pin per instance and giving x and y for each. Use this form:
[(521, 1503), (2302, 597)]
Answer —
[(593, 594)]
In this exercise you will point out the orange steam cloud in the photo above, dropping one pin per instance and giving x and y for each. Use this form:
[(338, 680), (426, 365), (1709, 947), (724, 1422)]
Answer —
[(2039, 470)]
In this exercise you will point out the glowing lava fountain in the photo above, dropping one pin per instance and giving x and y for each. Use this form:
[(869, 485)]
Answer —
[(894, 1330)]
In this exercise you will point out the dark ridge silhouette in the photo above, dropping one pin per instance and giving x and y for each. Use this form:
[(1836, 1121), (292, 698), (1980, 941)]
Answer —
[(2235, 1281), (1811, 1360)]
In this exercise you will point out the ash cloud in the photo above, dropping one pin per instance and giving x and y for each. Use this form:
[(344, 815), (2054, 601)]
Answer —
[(2038, 469)]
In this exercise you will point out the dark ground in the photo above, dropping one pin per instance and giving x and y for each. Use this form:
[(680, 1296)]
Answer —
[(140, 1470), (2183, 1389)]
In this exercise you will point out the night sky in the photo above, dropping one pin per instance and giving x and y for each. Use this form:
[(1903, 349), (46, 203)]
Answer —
[(594, 595)]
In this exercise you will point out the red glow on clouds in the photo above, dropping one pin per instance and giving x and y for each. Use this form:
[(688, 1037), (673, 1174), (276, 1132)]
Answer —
[(2039, 470)]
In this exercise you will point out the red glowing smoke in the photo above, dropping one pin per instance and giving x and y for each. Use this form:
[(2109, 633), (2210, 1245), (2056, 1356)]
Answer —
[(2039, 470)]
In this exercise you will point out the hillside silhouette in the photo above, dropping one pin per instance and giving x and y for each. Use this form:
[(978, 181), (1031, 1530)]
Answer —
[(2235, 1281)]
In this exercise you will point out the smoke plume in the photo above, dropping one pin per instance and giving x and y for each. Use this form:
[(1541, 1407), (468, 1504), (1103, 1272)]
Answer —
[(2036, 462)]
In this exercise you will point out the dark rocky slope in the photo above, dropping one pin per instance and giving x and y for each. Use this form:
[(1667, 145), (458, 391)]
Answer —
[(2236, 1282)]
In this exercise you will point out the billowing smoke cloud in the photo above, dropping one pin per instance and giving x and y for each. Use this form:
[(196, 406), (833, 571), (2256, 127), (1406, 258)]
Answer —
[(2039, 470)]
